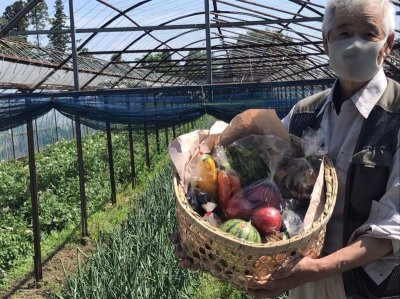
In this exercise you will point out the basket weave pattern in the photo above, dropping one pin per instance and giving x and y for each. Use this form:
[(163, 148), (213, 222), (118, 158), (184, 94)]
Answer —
[(238, 261)]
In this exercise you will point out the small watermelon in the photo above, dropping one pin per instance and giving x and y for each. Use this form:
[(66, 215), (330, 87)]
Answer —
[(241, 229)]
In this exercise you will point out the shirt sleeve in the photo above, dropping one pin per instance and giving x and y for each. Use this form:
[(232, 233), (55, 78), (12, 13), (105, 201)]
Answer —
[(384, 222)]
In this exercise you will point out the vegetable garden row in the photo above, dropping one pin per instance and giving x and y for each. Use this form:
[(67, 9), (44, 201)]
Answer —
[(134, 261), (137, 260), (58, 190)]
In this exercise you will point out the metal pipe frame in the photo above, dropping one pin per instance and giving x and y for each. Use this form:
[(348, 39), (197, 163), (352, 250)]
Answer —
[(170, 27), (164, 89), (37, 260), (78, 132), (208, 40)]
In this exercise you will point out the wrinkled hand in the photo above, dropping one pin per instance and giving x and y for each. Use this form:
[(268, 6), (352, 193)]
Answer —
[(185, 261), (302, 270)]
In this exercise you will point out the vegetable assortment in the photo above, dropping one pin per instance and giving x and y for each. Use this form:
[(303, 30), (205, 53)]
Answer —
[(257, 187)]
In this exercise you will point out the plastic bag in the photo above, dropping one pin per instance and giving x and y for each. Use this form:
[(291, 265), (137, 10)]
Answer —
[(196, 198), (296, 177), (292, 223), (220, 157), (313, 143), (263, 193), (257, 157), (228, 185), (211, 217), (202, 172)]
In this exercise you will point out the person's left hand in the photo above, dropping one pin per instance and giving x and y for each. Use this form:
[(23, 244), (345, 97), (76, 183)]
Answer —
[(302, 270)]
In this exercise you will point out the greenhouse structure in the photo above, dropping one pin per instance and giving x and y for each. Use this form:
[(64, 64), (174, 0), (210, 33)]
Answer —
[(147, 70)]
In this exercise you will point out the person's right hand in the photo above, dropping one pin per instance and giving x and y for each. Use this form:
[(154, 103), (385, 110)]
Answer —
[(184, 261)]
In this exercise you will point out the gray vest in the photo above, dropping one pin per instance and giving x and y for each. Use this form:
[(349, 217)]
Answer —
[(373, 155), (367, 176)]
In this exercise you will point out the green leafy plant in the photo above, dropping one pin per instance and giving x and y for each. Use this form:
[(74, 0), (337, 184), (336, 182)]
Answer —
[(58, 189)]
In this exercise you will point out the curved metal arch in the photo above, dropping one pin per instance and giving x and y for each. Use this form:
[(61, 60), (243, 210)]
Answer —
[(179, 18), (235, 68), (139, 38), (88, 39), (311, 61), (181, 67), (309, 47), (303, 37), (308, 5), (130, 19), (140, 61), (276, 18), (173, 52)]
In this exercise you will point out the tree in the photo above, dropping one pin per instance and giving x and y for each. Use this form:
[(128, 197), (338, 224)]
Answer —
[(158, 62), (10, 12), (196, 63), (57, 40), (256, 61), (38, 18), (116, 58), (3, 22)]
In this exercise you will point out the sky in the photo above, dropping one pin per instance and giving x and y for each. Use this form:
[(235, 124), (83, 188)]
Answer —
[(92, 14)]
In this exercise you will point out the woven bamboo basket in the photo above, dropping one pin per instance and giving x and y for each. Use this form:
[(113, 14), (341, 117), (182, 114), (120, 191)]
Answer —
[(238, 261)]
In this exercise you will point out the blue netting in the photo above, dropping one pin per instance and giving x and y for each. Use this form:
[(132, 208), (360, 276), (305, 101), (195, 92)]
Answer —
[(16, 112), (154, 108)]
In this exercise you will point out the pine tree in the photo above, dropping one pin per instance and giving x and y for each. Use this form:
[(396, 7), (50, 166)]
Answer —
[(3, 22), (116, 57), (38, 18), (57, 40), (10, 12)]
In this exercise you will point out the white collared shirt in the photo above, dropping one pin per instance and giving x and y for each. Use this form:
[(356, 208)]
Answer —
[(340, 136)]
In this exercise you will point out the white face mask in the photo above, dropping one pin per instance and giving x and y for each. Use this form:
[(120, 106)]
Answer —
[(355, 59)]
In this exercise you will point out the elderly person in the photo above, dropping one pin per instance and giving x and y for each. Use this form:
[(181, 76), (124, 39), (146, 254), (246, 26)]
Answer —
[(359, 118)]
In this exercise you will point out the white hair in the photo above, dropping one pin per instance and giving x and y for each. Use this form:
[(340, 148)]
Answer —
[(386, 7)]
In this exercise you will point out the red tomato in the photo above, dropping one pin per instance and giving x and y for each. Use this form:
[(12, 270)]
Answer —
[(267, 220)]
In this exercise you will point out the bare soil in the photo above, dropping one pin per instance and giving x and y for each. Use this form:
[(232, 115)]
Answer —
[(53, 274)]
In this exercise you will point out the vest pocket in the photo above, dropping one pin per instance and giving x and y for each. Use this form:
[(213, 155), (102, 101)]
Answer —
[(371, 169)]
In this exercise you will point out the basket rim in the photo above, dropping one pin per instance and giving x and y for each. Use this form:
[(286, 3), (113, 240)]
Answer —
[(282, 245)]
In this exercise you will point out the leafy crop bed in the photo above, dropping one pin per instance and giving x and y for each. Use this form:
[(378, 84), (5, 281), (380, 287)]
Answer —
[(137, 260), (58, 187)]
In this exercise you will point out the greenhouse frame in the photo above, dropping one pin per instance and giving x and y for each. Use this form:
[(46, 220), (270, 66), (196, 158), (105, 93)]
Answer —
[(133, 67)]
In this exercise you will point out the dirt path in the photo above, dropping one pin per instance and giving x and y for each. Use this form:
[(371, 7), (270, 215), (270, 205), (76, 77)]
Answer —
[(53, 274)]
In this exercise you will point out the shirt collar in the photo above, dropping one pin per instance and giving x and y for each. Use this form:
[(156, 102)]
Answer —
[(366, 98)]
